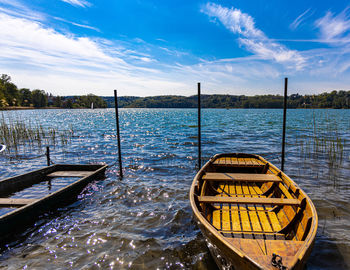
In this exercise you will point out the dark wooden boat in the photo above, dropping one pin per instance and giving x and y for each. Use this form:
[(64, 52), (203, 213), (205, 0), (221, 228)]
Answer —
[(252, 215), (18, 211)]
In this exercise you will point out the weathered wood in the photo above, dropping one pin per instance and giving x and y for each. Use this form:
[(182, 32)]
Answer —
[(248, 209), (28, 211), (15, 202), (233, 161), (246, 177), (248, 200), (69, 174)]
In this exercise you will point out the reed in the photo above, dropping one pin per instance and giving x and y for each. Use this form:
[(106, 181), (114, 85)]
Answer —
[(322, 140), (17, 135)]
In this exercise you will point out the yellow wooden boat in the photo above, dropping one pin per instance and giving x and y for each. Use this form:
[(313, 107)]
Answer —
[(252, 215)]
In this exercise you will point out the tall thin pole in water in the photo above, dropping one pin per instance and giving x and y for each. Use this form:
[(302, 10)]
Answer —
[(48, 155), (199, 127), (284, 120), (118, 133)]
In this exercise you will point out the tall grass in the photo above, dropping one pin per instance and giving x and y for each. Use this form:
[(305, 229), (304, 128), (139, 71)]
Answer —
[(322, 140), (18, 135)]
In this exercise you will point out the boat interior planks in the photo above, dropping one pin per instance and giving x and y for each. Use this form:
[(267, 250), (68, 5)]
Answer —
[(248, 209), (24, 197)]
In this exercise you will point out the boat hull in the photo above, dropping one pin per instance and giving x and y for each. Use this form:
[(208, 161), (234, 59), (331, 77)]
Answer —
[(251, 250), (20, 218), (226, 259)]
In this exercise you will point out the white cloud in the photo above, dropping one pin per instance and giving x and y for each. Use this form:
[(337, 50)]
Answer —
[(295, 24), (65, 62), (17, 9), (77, 24), (80, 3), (38, 56), (24, 34), (253, 38), (334, 27)]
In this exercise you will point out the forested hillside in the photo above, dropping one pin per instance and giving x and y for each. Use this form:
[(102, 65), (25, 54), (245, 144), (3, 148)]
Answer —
[(12, 96), (335, 99)]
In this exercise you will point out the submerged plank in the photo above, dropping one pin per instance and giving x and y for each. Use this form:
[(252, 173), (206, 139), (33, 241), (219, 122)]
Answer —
[(15, 202), (29, 209), (70, 173)]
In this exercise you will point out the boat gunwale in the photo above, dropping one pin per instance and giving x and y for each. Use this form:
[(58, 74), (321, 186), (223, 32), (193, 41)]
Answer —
[(49, 169), (309, 240), (203, 221), (313, 229)]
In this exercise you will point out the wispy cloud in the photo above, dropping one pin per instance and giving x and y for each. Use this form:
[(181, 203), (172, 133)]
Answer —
[(334, 27), (28, 47), (77, 24), (78, 3), (17, 9), (253, 38), (295, 24), (37, 54)]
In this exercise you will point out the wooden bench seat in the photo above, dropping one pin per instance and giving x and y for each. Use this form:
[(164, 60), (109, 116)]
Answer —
[(241, 162), (241, 177), (248, 200)]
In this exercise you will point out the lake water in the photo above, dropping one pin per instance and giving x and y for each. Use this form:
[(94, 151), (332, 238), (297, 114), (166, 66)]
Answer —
[(145, 221)]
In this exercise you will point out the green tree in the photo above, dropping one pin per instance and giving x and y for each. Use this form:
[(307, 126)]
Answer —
[(39, 98), (68, 103), (10, 90), (57, 102), (3, 102), (25, 97)]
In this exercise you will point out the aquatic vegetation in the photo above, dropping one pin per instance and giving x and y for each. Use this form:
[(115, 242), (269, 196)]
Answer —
[(17, 135), (322, 140)]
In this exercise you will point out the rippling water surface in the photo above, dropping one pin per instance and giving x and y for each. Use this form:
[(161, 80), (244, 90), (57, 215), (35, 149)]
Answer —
[(145, 221)]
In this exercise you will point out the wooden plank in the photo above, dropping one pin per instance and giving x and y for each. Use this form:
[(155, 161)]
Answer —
[(236, 224), (226, 224), (256, 225), (239, 188), (238, 163), (261, 215), (274, 221), (238, 177), (70, 173), (255, 221), (278, 235), (264, 221), (256, 189), (216, 219), (245, 221), (285, 191), (248, 200), (15, 202), (249, 161)]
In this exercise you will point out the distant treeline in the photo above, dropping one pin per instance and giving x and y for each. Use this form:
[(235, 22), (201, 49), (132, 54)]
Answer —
[(335, 100), (11, 96)]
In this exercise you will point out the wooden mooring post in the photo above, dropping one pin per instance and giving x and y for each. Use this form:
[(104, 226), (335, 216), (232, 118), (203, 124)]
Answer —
[(48, 155), (284, 121), (118, 134), (199, 128)]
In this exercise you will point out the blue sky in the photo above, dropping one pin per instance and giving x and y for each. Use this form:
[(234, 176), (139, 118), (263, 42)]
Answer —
[(165, 47)]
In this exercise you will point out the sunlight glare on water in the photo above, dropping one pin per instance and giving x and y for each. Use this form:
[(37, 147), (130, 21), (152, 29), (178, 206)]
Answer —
[(145, 221)]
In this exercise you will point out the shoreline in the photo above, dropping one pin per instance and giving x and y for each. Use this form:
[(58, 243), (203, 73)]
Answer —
[(26, 108), (19, 108)]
